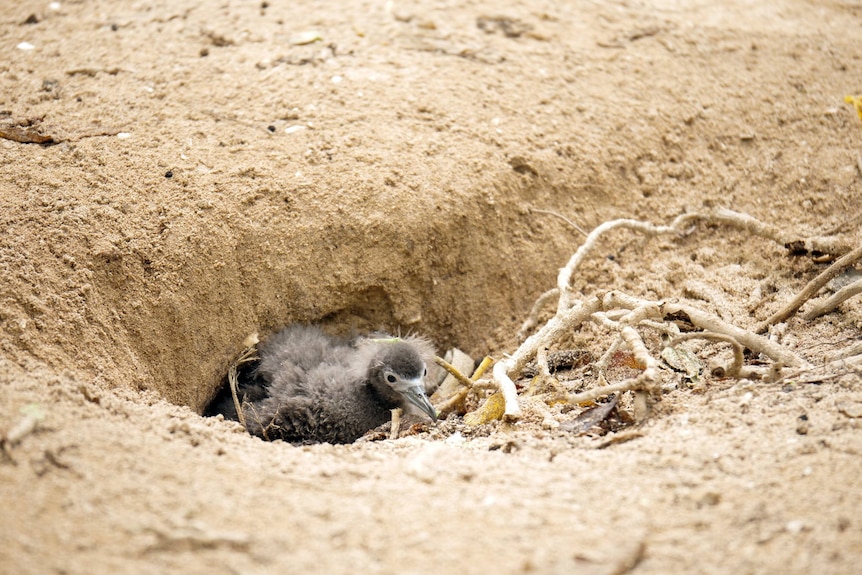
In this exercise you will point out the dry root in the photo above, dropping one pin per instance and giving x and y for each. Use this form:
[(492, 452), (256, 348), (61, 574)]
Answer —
[(834, 301), (625, 317), (249, 353), (469, 384), (812, 288)]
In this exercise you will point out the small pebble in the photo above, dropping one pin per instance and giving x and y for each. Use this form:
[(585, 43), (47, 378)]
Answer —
[(802, 424), (303, 38), (852, 410), (456, 439), (796, 526)]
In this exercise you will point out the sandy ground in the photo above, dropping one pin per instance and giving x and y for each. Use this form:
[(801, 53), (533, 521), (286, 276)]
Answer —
[(210, 173)]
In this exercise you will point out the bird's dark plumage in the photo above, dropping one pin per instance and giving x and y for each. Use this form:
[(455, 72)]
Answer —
[(309, 387)]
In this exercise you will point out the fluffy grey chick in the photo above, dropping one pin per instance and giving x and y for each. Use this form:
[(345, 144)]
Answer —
[(309, 387)]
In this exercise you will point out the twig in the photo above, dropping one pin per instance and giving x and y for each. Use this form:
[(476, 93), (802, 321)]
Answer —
[(604, 320), (811, 288), (852, 221), (561, 216), (602, 364), (707, 322), (564, 278), (670, 329), (834, 300), (621, 313), (542, 363), (747, 223), (247, 355), (395, 430), (641, 313), (487, 362), (734, 369), (512, 409), (597, 392), (829, 245), (749, 339), (649, 378), (614, 439), (533, 317), (707, 293), (645, 381), (452, 402), (469, 385), (842, 366), (456, 373), (750, 224), (232, 381), (849, 351), (553, 330)]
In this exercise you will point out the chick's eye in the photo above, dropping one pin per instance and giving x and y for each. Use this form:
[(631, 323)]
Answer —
[(425, 373), (391, 378)]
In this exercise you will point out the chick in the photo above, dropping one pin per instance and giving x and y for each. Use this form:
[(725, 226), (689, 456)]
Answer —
[(309, 387)]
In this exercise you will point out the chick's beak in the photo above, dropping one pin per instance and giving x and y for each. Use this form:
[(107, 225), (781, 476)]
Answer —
[(415, 394)]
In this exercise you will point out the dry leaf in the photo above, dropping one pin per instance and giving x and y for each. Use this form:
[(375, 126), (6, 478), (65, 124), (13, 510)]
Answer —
[(492, 409)]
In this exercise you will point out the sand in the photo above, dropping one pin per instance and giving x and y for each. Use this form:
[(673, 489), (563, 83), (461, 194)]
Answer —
[(199, 172)]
